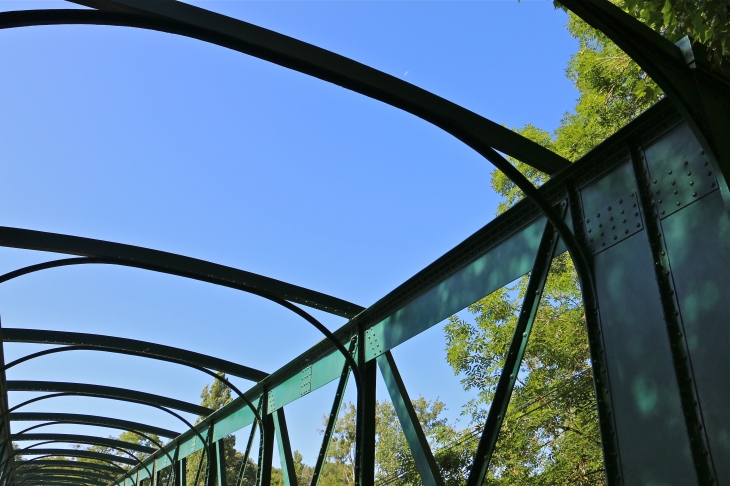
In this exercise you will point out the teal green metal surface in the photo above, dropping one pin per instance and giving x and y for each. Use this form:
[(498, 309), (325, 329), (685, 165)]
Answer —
[(422, 455), (648, 230)]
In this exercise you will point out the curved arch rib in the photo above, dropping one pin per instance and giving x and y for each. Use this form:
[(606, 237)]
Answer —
[(187, 20), (75, 418), (83, 439), (129, 346), (99, 456), (65, 479), (62, 471), (107, 252), (109, 392), (34, 464)]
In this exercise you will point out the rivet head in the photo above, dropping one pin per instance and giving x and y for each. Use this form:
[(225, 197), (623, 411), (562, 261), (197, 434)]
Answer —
[(674, 182), (658, 191), (636, 213), (663, 212), (694, 194), (633, 205), (689, 173), (601, 234), (627, 232), (691, 183), (603, 244), (709, 173), (615, 237), (622, 211), (588, 220), (598, 215), (600, 225), (654, 181), (669, 172), (638, 225), (613, 227), (589, 230), (706, 164), (611, 218), (686, 162), (620, 201), (679, 203), (623, 221), (609, 208), (660, 201)]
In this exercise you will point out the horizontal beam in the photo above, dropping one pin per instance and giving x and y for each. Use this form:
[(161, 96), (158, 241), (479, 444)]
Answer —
[(170, 263), (82, 439), (75, 453), (48, 475), (131, 346), (75, 418), (109, 392)]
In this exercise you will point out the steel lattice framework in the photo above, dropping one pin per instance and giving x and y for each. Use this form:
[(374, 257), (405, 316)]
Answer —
[(644, 216)]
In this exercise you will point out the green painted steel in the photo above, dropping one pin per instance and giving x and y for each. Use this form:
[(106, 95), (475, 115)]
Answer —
[(76, 453), (90, 420), (160, 261), (648, 207), (62, 471), (40, 463), (124, 345), (513, 359), (107, 392), (285, 455), (83, 439), (422, 455)]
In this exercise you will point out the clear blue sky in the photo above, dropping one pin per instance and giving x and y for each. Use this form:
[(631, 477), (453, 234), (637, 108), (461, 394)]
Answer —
[(169, 143)]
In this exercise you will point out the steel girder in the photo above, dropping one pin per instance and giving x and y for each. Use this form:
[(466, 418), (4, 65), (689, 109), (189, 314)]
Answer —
[(518, 241), (33, 465), (100, 391), (82, 439)]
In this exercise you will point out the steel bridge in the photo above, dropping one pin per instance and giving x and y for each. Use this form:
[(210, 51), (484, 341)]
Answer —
[(644, 217)]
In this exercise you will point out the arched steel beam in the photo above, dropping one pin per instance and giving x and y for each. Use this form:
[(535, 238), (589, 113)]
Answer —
[(62, 471), (108, 392), (107, 252), (34, 464), (51, 478), (132, 457), (186, 20), (99, 456), (83, 439), (701, 95), (47, 477), (128, 346), (75, 418)]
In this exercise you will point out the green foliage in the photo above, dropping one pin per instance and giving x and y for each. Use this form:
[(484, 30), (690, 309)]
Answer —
[(394, 463)]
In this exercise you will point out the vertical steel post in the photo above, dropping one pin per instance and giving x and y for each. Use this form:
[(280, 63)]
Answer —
[(422, 455), (266, 443), (365, 433), (285, 455), (513, 360), (606, 422), (181, 476), (689, 397), (220, 462)]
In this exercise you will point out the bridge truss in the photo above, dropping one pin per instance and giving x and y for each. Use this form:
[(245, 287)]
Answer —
[(644, 217)]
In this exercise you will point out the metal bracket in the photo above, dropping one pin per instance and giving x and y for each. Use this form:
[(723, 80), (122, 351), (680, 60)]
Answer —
[(678, 183), (613, 223), (373, 342), (271, 403), (306, 381)]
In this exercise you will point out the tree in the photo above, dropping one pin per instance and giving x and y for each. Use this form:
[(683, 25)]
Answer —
[(550, 434), (394, 463), (215, 396)]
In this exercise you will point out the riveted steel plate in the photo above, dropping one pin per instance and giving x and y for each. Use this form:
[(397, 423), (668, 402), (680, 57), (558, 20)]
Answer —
[(679, 171), (613, 223), (306, 381)]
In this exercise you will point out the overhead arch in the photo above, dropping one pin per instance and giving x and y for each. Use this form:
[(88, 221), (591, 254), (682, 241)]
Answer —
[(36, 463), (105, 252), (62, 471), (99, 456), (189, 21), (83, 439), (81, 419), (128, 346), (113, 393)]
